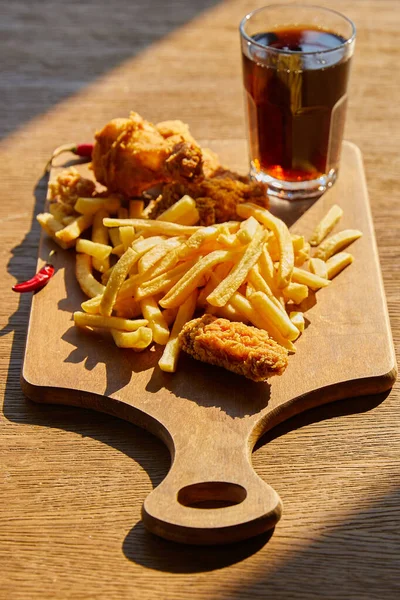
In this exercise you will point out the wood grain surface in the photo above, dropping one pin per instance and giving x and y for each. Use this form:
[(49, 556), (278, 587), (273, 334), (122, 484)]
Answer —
[(209, 418), (73, 480)]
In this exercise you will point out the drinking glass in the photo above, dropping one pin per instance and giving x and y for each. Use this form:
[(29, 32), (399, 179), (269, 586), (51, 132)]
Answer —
[(296, 66)]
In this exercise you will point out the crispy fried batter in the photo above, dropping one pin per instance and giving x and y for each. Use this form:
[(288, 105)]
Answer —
[(132, 155), (237, 347), (216, 197), (69, 186)]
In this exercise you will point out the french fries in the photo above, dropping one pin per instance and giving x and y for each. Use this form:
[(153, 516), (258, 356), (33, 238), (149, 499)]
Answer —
[(117, 278), (337, 263), (174, 213), (136, 340), (99, 251), (282, 234), (335, 243), (86, 320), (237, 276), (90, 206), (326, 225), (169, 358), (318, 267), (88, 283), (152, 226), (72, 231), (168, 268), (157, 323), (100, 236)]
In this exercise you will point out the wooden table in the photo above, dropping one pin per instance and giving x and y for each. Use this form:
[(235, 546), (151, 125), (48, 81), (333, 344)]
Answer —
[(72, 480)]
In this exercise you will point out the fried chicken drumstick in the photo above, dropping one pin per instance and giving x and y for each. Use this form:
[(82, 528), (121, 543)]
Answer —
[(132, 155), (237, 347)]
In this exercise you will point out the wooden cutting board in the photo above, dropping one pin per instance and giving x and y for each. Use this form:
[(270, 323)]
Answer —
[(209, 418)]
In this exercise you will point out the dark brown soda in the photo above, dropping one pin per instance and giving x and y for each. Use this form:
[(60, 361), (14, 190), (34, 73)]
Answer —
[(297, 104)]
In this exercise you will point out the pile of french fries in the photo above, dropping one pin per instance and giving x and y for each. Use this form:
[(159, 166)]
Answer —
[(165, 270)]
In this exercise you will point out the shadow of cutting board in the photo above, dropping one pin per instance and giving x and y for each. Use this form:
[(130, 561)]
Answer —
[(210, 418)]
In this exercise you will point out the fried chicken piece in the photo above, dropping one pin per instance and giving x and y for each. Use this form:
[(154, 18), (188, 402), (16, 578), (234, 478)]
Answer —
[(132, 155), (69, 186), (237, 347), (216, 197)]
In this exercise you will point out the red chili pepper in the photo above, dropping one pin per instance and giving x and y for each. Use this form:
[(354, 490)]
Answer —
[(82, 150), (37, 282)]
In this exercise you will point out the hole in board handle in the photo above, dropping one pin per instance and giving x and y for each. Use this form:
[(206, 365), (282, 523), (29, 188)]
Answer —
[(212, 494)]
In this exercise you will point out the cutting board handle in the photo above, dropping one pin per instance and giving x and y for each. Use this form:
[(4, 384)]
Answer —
[(196, 504)]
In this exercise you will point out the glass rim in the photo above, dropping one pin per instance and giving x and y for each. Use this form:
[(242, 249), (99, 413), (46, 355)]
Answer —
[(280, 51)]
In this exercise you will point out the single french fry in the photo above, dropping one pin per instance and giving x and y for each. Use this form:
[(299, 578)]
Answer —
[(335, 243), (312, 281), (83, 319), (318, 267), (241, 304), (106, 276), (142, 245), (114, 236), (247, 230), (298, 242), (136, 208), (185, 286), (297, 319), (337, 263), (272, 313), (127, 236), (117, 277), (267, 269), (89, 206), (326, 225), (92, 306), (296, 292), (169, 359), (100, 236), (177, 210), (156, 253), (72, 231), (191, 217), (118, 250), (99, 251), (286, 254), (273, 248), (151, 311), (237, 276), (226, 312), (153, 226), (52, 226), (136, 340), (83, 271)]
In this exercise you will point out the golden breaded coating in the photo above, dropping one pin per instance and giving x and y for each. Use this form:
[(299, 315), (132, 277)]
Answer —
[(235, 346), (132, 155), (69, 186)]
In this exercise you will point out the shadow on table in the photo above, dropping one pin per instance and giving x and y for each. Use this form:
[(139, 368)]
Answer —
[(358, 558), (79, 41)]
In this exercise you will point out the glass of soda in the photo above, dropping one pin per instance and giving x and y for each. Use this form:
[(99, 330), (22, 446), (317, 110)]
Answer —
[(296, 65)]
